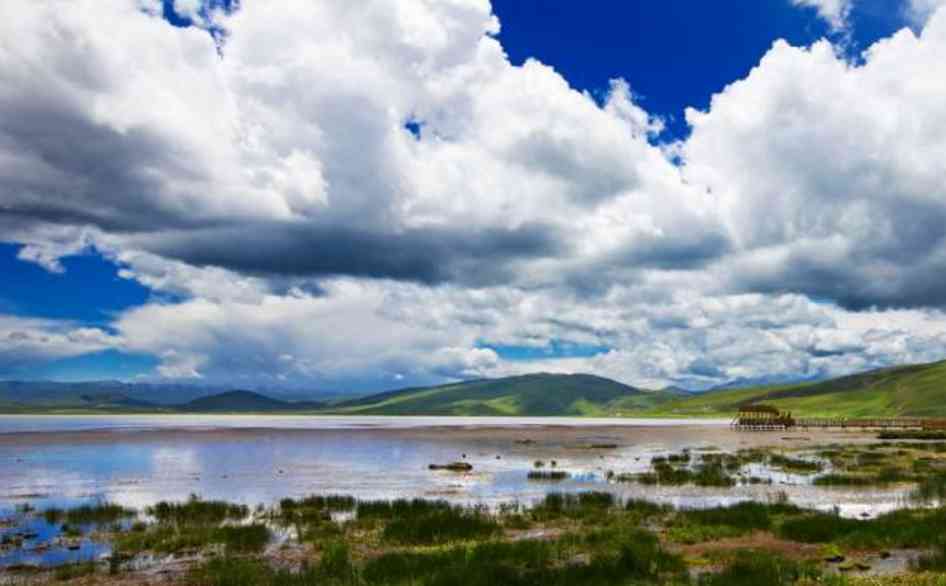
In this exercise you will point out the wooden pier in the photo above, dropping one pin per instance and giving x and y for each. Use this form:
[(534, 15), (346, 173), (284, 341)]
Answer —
[(768, 418)]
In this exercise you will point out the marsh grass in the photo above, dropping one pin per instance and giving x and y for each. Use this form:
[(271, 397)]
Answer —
[(99, 514), (195, 511), (797, 465), (933, 561), (758, 568), (884, 476), (194, 525), (634, 557), (575, 506), (548, 475), (332, 503), (713, 474), (168, 538), (711, 471), (74, 571), (619, 558), (912, 435), (399, 508), (931, 488), (441, 526), (701, 525), (904, 528)]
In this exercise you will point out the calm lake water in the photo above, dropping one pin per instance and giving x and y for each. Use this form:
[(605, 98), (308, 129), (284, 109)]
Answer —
[(136, 461), (49, 423)]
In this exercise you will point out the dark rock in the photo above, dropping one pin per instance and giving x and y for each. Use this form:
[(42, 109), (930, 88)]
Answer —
[(453, 467)]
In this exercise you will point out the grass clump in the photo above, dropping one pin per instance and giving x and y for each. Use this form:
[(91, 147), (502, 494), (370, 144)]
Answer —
[(645, 509), (400, 508), (237, 571), (73, 571), (933, 561), (612, 557), (195, 511), (755, 568), (906, 434), (548, 475), (701, 525), (442, 526), (194, 525), (887, 475), (931, 488), (712, 474), (332, 503), (99, 514), (584, 504), (904, 528), (628, 558), (840, 479), (797, 465), (169, 538), (242, 538)]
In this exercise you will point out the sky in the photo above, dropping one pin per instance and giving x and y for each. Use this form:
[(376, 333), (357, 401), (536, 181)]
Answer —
[(363, 196)]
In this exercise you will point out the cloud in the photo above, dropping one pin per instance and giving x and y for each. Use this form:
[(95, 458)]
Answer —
[(28, 341), (919, 11), (834, 12), (262, 183), (827, 173), (366, 335), (310, 159), (345, 339)]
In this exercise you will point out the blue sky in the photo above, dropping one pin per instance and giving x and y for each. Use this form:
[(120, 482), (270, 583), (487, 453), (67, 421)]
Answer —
[(612, 243)]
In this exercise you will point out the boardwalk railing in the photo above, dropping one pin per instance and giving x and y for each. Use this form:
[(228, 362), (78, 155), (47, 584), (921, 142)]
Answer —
[(753, 421)]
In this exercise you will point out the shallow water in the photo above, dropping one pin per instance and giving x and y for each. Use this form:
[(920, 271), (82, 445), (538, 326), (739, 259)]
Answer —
[(137, 461), (49, 423)]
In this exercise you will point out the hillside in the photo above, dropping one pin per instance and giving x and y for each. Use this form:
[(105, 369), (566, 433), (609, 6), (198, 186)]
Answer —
[(915, 390), (78, 395), (245, 402), (533, 394)]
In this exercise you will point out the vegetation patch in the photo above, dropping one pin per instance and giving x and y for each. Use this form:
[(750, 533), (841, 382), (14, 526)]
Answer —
[(197, 512), (548, 475), (755, 568), (907, 434), (442, 526), (796, 465)]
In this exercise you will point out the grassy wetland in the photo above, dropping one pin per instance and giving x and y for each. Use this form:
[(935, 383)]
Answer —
[(545, 507)]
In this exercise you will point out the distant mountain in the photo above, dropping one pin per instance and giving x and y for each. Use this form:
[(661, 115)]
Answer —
[(111, 400), (246, 402), (678, 391), (532, 394), (116, 394), (74, 394), (915, 390), (764, 381)]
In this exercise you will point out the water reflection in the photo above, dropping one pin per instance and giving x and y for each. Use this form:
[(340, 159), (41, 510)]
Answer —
[(253, 466)]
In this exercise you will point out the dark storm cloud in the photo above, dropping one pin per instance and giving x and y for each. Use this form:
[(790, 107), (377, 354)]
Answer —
[(692, 250), (902, 266), (69, 170), (430, 256)]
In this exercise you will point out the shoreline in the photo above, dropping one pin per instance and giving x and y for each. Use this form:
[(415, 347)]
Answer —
[(536, 434)]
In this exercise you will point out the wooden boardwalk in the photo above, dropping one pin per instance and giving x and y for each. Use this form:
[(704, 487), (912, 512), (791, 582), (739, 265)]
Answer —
[(766, 418)]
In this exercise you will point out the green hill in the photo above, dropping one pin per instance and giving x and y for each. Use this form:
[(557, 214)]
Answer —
[(916, 390), (245, 402), (532, 394)]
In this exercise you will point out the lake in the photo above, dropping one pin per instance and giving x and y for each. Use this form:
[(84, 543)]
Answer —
[(136, 461), (139, 460)]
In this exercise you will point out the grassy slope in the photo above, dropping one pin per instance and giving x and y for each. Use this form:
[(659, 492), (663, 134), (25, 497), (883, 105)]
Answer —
[(534, 394), (917, 390)]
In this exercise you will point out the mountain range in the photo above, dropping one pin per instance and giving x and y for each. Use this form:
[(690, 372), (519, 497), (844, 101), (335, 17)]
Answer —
[(913, 390)]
